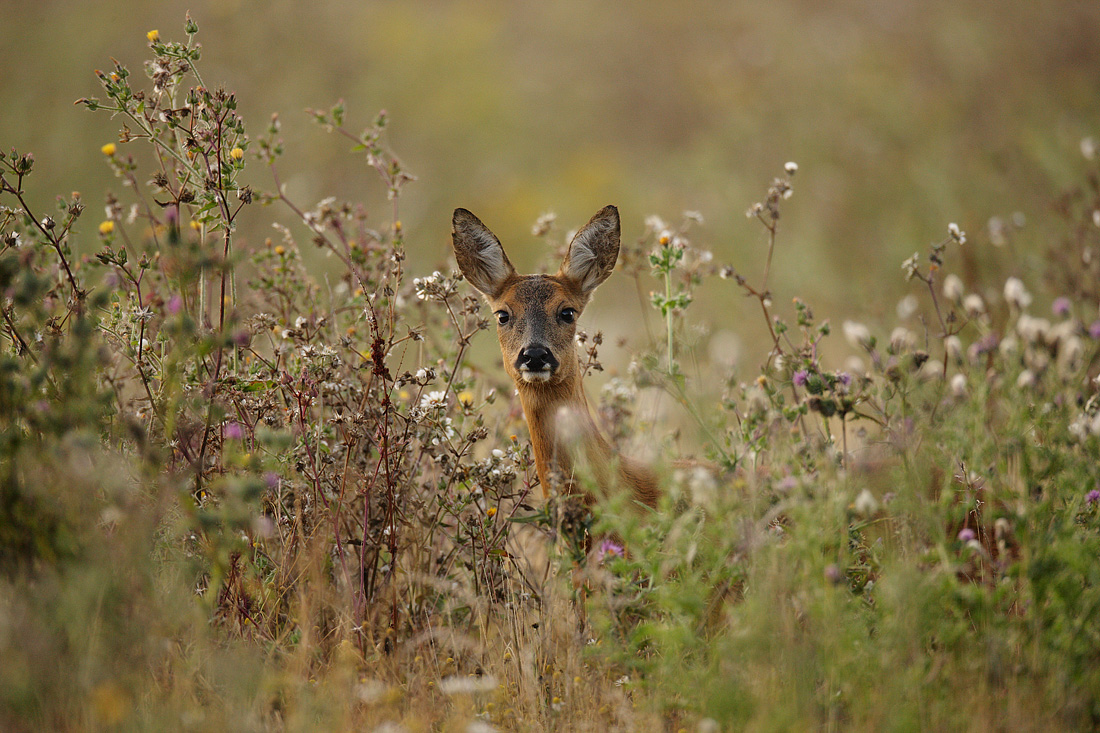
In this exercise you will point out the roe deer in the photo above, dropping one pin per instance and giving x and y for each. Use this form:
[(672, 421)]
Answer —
[(536, 321)]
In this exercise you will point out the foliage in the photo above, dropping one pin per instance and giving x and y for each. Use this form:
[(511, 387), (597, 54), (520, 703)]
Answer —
[(234, 496)]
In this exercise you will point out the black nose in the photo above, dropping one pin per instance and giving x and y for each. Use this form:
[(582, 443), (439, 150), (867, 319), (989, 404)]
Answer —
[(536, 358)]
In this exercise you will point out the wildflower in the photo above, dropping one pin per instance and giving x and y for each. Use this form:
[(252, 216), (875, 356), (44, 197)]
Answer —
[(236, 153), (911, 266), (857, 334), (466, 397), (609, 547), (953, 288), (196, 224), (973, 305), (958, 386), (108, 149), (491, 512), (106, 227), (952, 347), (280, 250), (232, 431), (664, 238), (907, 306), (791, 167), (957, 234), (153, 36), (966, 535), (1094, 330), (902, 340), (1061, 306), (433, 400), (1093, 497), (800, 378), (1089, 148), (1016, 294), (544, 224), (833, 574), (865, 504)]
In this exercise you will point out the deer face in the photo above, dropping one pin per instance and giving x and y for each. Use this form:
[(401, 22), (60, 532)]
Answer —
[(536, 315)]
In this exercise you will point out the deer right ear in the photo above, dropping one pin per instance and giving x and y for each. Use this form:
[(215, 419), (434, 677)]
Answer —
[(479, 253)]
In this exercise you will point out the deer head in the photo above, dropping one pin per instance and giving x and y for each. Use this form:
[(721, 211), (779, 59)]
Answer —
[(537, 315)]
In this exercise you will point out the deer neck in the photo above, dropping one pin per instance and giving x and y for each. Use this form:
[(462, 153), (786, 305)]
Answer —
[(561, 425)]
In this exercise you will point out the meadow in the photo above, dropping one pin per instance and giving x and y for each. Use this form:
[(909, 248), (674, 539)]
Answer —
[(243, 490)]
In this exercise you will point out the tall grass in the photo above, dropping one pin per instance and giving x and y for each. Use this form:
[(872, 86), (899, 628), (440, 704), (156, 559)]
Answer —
[(235, 496)]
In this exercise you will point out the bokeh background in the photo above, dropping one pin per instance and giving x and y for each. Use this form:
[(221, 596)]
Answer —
[(903, 116)]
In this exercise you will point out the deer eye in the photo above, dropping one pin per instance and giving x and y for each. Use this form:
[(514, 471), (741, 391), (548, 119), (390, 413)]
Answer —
[(568, 315), (502, 317)]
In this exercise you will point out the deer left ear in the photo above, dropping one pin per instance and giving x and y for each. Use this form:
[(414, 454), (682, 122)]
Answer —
[(593, 251)]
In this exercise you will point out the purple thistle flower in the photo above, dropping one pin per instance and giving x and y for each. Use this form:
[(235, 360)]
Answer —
[(1093, 497), (800, 378), (175, 303), (232, 431), (1061, 306), (966, 534), (609, 547)]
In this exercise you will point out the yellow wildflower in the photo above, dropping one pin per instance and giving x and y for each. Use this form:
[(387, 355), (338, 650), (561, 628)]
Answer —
[(466, 397), (106, 227), (196, 224), (280, 250), (491, 512), (236, 153), (153, 36), (108, 149)]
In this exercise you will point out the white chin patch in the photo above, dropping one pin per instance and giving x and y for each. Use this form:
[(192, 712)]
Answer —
[(532, 376)]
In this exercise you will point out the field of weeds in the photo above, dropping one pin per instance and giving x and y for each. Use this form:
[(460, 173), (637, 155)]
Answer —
[(236, 494)]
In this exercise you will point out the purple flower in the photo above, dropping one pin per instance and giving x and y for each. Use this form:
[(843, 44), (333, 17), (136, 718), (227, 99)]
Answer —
[(800, 378), (1093, 497), (966, 534), (232, 431), (242, 338), (844, 378), (272, 480), (175, 303), (609, 547), (1094, 329), (1061, 306)]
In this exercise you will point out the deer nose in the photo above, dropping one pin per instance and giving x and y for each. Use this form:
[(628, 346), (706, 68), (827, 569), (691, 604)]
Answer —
[(536, 359)]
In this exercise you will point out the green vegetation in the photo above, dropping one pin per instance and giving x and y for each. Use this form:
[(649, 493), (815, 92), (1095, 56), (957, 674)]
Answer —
[(239, 492)]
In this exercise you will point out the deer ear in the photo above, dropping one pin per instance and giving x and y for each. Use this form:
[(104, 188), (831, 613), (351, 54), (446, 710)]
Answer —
[(593, 251), (479, 253)]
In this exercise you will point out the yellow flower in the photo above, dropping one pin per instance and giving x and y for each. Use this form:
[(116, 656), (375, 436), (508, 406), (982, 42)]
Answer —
[(397, 225), (108, 149), (106, 227), (153, 36), (466, 397), (236, 153), (196, 224), (491, 512), (280, 250)]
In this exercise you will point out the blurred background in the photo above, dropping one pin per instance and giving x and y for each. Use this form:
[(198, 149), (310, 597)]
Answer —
[(903, 116)]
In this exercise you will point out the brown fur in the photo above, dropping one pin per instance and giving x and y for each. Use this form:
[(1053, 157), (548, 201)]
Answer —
[(554, 402)]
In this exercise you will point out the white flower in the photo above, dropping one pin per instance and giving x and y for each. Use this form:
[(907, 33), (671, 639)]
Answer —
[(433, 400), (791, 167), (973, 305), (857, 334), (1033, 330), (957, 234), (902, 340), (865, 504), (953, 288), (907, 306), (1088, 148), (958, 386), (952, 347), (1016, 294)]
